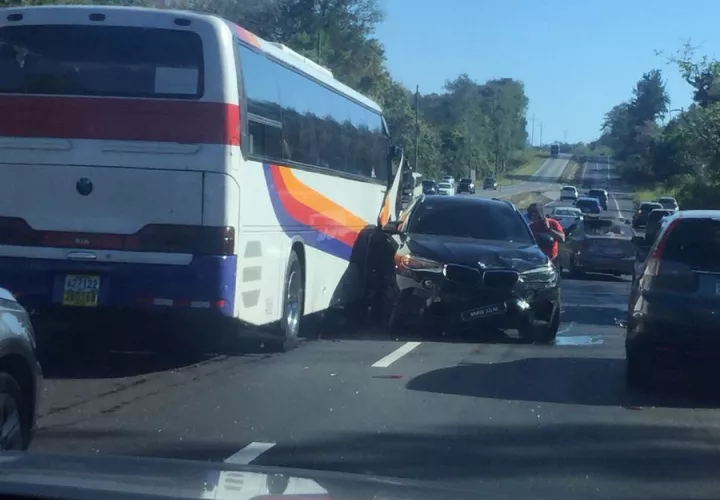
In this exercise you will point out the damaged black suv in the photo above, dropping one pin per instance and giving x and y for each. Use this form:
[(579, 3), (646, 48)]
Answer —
[(472, 263)]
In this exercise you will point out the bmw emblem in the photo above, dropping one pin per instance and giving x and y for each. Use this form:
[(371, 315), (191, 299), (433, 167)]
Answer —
[(84, 186)]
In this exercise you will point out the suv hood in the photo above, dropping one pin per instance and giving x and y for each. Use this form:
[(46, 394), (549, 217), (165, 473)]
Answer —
[(473, 252), (80, 478)]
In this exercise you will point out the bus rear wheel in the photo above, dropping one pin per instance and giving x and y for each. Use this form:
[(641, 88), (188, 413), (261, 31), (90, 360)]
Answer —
[(293, 307)]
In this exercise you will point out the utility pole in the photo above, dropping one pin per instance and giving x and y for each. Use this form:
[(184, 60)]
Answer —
[(532, 134), (417, 126), (541, 127)]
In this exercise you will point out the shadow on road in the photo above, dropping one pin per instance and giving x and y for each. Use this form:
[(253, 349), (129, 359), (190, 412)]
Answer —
[(593, 453), (115, 351), (565, 380)]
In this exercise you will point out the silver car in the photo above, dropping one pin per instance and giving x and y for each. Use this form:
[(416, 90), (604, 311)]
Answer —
[(20, 375), (566, 216)]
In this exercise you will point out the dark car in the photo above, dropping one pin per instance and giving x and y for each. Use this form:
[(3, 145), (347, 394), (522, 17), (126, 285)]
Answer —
[(489, 183), (640, 218), (20, 375), (598, 245), (653, 223), (466, 186), (674, 306), (429, 187), (601, 195), (588, 205), (473, 262)]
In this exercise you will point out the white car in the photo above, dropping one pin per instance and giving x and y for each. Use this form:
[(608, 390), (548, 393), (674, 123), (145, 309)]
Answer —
[(446, 189), (566, 216), (569, 193), (668, 202)]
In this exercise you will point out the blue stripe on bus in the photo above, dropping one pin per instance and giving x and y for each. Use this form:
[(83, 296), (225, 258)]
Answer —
[(38, 282)]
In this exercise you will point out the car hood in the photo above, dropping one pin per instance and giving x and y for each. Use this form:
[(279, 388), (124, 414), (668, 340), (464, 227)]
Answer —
[(80, 478), (473, 252)]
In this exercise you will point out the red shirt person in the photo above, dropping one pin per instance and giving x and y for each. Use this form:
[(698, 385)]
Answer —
[(540, 224)]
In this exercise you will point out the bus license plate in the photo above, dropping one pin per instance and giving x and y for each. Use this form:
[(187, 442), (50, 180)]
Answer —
[(81, 290)]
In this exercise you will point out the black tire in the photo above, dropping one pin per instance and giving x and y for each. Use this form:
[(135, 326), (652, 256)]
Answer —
[(638, 371), (14, 403), (542, 334), (290, 323)]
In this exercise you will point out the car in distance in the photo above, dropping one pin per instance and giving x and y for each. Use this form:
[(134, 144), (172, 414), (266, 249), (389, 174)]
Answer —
[(466, 186), (674, 307), (429, 187), (445, 189), (568, 193), (566, 216), (598, 245), (601, 195), (588, 205), (490, 183), (668, 202), (640, 218), (472, 263), (20, 375)]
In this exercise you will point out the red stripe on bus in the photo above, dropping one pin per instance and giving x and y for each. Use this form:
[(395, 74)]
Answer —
[(153, 120)]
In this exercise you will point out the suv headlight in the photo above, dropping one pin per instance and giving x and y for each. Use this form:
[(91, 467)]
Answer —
[(411, 262), (540, 277)]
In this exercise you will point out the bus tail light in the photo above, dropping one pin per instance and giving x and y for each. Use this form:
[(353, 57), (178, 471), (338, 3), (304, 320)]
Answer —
[(160, 238)]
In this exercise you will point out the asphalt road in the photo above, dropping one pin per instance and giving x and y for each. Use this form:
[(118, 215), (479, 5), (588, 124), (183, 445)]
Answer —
[(544, 179), (488, 413)]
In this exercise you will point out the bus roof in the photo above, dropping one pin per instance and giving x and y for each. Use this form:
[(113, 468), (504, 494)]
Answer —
[(48, 14)]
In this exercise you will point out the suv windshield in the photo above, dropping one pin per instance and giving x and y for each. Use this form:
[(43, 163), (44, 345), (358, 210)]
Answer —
[(597, 193), (479, 221), (695, 242)]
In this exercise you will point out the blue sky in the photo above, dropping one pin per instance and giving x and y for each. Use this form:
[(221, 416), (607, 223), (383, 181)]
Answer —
[(577, 58)]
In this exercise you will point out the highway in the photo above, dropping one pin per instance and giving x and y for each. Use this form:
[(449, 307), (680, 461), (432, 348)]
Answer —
[(489, 413), (544, 179)]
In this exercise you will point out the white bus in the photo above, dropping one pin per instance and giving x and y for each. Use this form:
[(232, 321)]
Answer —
[(159, 160)]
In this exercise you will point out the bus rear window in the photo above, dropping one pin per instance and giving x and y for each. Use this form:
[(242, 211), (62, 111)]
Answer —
[(114, 61)]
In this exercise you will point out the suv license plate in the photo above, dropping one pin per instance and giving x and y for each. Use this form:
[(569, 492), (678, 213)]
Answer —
[(484, 312)]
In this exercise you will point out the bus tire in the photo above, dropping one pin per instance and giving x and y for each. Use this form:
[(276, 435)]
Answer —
[(293, 307)]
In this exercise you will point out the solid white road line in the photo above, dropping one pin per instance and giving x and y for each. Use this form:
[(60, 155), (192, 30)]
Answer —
[(249, 453), (396, 354)]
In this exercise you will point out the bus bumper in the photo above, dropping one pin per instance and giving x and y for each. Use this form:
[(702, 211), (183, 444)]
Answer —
[(205, 286)]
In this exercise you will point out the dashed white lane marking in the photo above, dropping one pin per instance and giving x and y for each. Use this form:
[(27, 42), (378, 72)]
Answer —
[(396, 354), (249, 453), (614, 199)]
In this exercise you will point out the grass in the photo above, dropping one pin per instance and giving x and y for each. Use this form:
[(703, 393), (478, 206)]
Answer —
[(652, 193), (523, 200), (528, 168), (572, 174)]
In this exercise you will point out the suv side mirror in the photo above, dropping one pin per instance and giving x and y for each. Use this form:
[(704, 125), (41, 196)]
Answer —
[(393, 227)]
